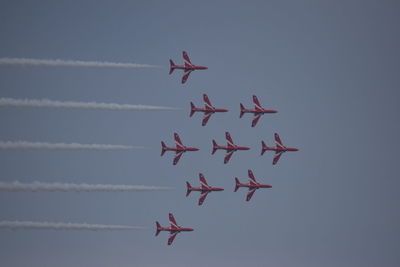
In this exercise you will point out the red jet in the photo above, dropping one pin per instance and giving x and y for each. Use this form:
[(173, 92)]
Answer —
[(179, 149), (204, 189), (188, 67), (173, 230), (208, 110), (230, 147), (258, 111), (279, 149), (253, 185)]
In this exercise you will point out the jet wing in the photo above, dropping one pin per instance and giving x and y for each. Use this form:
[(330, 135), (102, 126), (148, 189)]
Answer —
[(257, 104), (186, 59), (252, 179), (229, 139), (278, 155), (206, 117), (255, 120), (171, 238), (177, 157), (178, 141), (228, 156), (172, 221), (186, 75), (278, 141), (250, 193), (203, 181), (203, 197), (207, 102)]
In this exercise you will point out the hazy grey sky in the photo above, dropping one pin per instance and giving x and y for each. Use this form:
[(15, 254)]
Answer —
[(331, 69)]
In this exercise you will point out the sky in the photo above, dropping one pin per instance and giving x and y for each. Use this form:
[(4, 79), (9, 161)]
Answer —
[(330, 68)]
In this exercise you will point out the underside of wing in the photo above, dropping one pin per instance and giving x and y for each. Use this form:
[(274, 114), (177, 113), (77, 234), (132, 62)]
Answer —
[(277, 156), (178, 155), (206, 117), (250, 193), (171, 238), (203, 197), (255, 120), (186, 75), (228, 156)]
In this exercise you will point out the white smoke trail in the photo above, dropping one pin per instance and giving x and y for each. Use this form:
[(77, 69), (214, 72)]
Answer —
[(62, 146), (38, 186), (70, 63), (64, 226), (46, 103)]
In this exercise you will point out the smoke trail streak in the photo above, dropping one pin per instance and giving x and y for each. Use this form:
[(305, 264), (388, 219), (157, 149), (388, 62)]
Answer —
[(62, 146), (38, 186), (64, 226), (70, 63), (46, 103)]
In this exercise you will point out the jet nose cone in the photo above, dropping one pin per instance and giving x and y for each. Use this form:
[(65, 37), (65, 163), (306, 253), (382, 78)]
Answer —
[(196, 149), (190, 229), (246, 148), (274, 111), (296, 149)]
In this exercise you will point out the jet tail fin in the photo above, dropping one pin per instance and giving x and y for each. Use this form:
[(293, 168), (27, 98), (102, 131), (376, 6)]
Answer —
[(264, 147), (242, 110), (172, 66), (189, 188), (237, 184), (192, 109), (163, 148), (158, 228), (215, 147)]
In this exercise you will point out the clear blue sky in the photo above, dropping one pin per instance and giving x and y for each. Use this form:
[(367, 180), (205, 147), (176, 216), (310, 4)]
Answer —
[(331, 69)]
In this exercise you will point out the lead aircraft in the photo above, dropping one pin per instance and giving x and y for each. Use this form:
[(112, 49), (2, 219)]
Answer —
[(179, 149), (279, 148), (230, 147), (208, 109), (258, 111), (253, 185), (173, 230), (204, 189), (188, 67)]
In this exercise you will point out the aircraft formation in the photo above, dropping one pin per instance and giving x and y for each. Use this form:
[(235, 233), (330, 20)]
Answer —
[(179, 149)]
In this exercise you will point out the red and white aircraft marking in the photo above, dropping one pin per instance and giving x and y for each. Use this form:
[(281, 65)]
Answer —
[(188, 67), (208, 109), (179, 149), (258, 111), (173, 230), (279, 148), (253, 185), (230, 147), (204, 189)]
